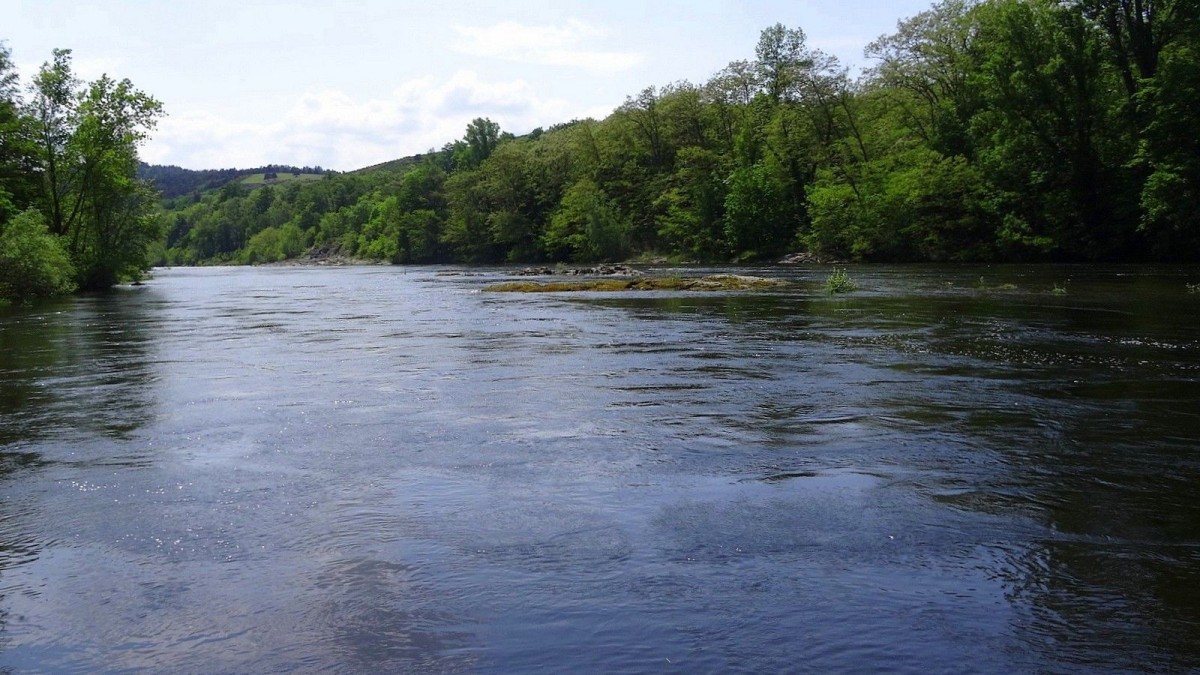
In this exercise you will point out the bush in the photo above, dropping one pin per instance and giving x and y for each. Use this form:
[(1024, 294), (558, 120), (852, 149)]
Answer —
[(33, 262), (839, 282), (263, 247)]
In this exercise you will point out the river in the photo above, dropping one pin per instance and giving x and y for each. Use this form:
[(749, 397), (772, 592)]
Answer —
[(383, 469)]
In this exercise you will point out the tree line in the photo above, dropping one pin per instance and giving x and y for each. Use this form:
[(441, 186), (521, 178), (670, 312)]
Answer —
[(73, 214), (986, 130), (174, 181)]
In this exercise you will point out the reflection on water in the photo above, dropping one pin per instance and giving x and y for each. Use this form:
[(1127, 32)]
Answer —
[(76, 367), (384, 469)]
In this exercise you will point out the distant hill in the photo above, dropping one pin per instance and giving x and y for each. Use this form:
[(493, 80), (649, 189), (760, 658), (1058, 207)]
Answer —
[(174, 181)]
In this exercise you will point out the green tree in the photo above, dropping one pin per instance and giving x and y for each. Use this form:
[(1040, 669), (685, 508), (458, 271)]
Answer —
[(924, 72), (481, 139), (419, 237), (1047, 134), (692, 209), (18, 175), (586, 227), (32, 260), (87, 143), (782, 55), (467, 231), (263, 247), (756, 216), (1171, 196)]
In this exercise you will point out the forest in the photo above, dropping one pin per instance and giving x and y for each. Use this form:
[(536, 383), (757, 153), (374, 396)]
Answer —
[(989, 130), (173, 181)]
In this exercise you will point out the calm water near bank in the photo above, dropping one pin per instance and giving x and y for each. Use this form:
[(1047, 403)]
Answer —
[(381, 469)]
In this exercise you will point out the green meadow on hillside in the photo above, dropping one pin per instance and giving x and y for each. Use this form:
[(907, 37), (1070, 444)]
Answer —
[(258, 179)]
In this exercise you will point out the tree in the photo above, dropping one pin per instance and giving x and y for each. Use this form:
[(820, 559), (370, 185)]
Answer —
[(924, 71), (643, 114), (1138, 31), (691, 209), (1171, 195), (482, 137), (32, 261), (87, 147), (587, 226), (18, 178), (756, 222), (1047, 134), (781, 53)]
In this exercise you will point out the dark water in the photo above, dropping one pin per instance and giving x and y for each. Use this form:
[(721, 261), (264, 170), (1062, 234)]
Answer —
[(379, 469)]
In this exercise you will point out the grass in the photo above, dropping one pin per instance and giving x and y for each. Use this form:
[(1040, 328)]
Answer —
[(839, 282), (256, 179), (716, 282), (1193, 288)]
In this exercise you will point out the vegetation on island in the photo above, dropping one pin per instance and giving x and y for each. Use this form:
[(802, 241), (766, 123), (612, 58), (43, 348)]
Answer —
[(985, 130), (839, 281)]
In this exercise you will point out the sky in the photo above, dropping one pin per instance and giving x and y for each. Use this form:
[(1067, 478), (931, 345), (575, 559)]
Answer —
[(348, 84)]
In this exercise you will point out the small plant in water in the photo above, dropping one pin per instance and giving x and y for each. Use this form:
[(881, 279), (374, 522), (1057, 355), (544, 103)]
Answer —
[(840, 282), (1059, 290), (1194, 288)]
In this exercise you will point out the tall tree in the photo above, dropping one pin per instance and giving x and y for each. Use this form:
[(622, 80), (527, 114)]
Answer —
[(18, 184), (924, 70), (781, 53), (482, 137), (1139, 30), (1048, 131), (1171, 148), (87, 147)]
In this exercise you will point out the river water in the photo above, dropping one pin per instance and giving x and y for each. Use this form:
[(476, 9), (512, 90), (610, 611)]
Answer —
[(381, 469)]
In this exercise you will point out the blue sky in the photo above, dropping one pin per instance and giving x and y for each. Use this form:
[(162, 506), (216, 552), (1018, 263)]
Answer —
[(352, 83)]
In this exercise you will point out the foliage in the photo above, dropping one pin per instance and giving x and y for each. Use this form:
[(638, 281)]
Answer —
[(839, 281), (33, 262), (587, 226), (87, 138), (755, 218), (19, 181), (173, 181), (68, 164), (988, 130)]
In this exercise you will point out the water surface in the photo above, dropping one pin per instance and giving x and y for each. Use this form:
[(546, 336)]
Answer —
[(383, 469)]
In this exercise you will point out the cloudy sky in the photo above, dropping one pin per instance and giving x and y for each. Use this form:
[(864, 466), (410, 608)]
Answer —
[(352, 83)]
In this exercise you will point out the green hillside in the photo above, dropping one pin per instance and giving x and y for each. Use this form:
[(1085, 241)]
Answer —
[(274, 178), (997, 130)]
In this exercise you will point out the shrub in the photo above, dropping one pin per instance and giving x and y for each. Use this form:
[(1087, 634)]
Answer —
[(840, 282), (33, 262)]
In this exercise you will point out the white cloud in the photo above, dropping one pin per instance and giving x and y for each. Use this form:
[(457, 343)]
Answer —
[(336, 130), (543, 45), (91, 68)]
